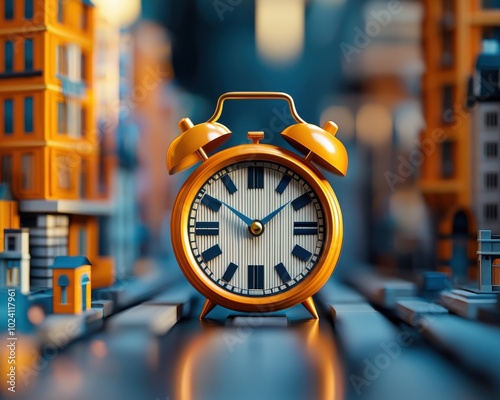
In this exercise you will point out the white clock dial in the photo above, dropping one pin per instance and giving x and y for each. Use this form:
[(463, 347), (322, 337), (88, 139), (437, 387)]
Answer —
[(256, 228)]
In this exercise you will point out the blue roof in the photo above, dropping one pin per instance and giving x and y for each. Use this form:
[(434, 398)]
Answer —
[(70, 261), (88, 2), (488, 61)]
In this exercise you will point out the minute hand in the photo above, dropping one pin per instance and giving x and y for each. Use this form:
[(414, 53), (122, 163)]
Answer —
[(269, 217), (240, 215)]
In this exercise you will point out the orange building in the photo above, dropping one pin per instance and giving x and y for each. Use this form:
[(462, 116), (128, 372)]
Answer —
[(9, 216), (71, 283), (453, 31), (49, 141)]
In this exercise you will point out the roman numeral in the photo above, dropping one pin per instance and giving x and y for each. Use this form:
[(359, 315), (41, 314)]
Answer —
[(282, 272), (301, 201), (256, 177), (211, 253), (300, 252), (283, 184), (229, 184), (211, 202), (305, 228), (256, 277), (206, 228), (230, 270)]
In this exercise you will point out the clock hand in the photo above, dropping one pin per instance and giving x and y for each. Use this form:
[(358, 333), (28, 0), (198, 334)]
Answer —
[(269, 217), (240, 215)]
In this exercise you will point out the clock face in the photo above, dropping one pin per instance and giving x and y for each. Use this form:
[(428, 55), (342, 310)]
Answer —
[(256, 228)]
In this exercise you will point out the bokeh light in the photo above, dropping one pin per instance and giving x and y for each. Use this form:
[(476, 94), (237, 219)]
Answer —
[(344, 119), (36, 315), (123, 12), (279, 27), (374, 124)]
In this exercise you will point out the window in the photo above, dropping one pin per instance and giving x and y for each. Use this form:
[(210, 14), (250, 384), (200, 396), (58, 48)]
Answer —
[(491, 119), (447, 164), (60, 11), (491, 180), (83, 18), (61, 60), (491, 150), (12, 276), (85, 288), (447, 53), (11, 243), (74, 60), (9, 9), (101, 173), (9, 56), (27, 171), (82, 67), (69, 118), (490, 212), (74, 115), (8, 112), (28, 9), (7, 169), (28, 54), (82, 240), (83, 179), (489, 82), (61, 118), (63, 283), (63, 173), (28, 114), (83, 115), (447, 104)]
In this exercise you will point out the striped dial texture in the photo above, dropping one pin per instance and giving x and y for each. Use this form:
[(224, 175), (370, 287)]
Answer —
[(270, 261)]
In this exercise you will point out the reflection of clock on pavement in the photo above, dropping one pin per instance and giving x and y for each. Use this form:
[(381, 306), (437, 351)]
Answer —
[(256, 227)]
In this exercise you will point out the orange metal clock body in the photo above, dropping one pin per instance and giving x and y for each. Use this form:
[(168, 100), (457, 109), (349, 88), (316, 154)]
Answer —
[(257, 228)]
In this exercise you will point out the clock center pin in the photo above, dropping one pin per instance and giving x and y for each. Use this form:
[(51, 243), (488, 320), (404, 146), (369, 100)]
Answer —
[(256, 228)]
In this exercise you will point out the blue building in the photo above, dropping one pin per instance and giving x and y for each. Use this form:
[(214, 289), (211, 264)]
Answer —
[(489, 261)]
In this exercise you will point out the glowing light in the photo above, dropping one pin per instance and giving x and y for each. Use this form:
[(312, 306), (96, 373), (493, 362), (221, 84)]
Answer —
[(374, 124), (408, 210), (279, 29), (36, 315), (67, 377), (98, 349), (343, 117), (123, 12), (408, 123)]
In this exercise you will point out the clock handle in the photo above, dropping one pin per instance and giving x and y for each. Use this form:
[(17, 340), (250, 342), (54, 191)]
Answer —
[(256, 96)]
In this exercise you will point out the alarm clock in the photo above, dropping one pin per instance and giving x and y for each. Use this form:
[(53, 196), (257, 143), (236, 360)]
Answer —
[(255, 227)]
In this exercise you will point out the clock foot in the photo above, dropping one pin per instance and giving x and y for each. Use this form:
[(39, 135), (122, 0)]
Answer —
[(207, 307), (309, 306)]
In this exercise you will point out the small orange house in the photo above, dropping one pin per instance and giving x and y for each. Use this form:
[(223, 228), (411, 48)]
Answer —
[(71, 285)]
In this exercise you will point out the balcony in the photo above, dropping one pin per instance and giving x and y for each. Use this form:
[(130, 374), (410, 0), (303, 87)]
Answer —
[(72, 88)]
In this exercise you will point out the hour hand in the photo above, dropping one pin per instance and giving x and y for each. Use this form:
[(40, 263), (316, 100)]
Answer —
[(240, 215), (269, 217)]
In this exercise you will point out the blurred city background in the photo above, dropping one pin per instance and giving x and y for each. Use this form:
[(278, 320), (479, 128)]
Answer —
[(368, 82), (401, 81)]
